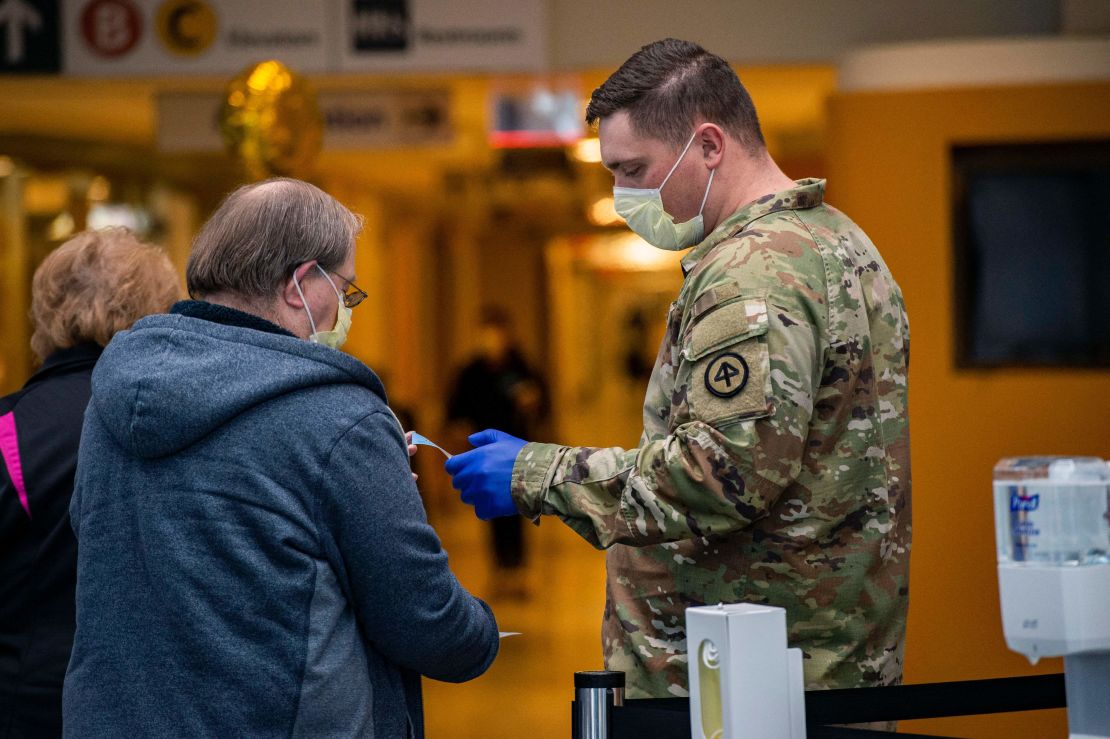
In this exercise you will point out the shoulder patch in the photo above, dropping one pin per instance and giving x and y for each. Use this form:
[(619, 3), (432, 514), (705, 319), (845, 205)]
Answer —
[(726, 375), (726, 363)]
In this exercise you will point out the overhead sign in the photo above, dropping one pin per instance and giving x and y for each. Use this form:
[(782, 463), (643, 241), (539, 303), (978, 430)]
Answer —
[(399, 35), (538, 116), (29, 39), (171, 37), (168, 37), (189, 122), (369, 120)]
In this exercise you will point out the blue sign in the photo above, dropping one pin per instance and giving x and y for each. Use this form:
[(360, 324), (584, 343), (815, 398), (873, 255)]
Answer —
[(1019, 502)]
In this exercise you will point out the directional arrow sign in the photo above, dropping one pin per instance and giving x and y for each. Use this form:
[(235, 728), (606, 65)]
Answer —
[(29, 34), (18, 16)]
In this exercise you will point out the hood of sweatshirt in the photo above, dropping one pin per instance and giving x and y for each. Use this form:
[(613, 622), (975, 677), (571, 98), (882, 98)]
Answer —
[(172, 379)]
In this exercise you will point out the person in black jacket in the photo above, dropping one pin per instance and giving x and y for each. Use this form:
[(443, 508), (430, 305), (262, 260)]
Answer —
[(499, 389), (96, 284)]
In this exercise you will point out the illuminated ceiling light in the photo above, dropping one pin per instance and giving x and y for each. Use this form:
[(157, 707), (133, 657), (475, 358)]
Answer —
[(587, 150), (602, 213), (61, 227), (99, 189), (7, 166)]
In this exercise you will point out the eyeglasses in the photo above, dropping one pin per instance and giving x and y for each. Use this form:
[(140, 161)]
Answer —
[(352, 294)]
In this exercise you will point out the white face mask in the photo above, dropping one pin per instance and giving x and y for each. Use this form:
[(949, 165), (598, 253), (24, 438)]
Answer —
[(337, 335), (642, 210)]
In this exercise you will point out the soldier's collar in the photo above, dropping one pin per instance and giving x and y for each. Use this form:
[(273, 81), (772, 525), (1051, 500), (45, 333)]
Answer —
[(806, 193)]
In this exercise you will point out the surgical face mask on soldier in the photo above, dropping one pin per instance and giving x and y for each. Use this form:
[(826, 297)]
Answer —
[(642, 210), (337, 335)]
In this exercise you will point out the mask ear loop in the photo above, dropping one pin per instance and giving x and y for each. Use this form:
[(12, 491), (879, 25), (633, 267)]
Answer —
[(678, 161), (311, 322), (324, 272), (707, 186)]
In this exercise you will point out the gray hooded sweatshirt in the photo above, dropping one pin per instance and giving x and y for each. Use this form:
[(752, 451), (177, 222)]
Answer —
[(253, 555)]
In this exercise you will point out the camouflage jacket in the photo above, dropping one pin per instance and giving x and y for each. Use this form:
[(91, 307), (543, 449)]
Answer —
[(774, 465)]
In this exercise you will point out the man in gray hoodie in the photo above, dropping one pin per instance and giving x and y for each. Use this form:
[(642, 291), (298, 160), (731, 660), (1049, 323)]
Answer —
[(253, 555)]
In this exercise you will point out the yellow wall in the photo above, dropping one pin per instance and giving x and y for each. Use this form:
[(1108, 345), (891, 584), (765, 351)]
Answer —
[(888, 166)]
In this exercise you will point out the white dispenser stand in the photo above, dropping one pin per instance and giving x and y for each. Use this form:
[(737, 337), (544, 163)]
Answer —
[(744, 682), (1052, 520)]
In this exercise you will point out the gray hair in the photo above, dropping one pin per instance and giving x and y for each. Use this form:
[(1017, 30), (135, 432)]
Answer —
[(262, 231)]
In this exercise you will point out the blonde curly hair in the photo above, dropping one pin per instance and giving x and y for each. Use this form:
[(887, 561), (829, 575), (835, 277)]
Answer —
[(97, 283)]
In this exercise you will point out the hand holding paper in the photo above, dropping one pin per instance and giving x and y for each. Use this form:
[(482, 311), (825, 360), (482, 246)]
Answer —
[(484, 474)]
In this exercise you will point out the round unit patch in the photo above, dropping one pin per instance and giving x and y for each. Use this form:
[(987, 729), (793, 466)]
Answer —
[(726, 375)]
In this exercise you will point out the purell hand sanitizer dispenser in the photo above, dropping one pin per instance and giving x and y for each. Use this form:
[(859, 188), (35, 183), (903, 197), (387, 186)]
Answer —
[(744, 682), (1052, 518)]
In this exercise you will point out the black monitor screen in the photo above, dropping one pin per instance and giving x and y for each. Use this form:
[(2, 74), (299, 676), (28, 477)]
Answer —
[(1032, 237)]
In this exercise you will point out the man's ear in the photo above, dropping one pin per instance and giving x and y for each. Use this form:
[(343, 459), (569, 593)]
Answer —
[(289, 292), (712, 141)]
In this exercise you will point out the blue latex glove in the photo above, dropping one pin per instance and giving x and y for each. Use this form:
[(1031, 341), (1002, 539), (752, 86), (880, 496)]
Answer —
[(484, 474)]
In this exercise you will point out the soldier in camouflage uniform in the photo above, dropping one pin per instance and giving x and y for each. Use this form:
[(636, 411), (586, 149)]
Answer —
[(774, 463)]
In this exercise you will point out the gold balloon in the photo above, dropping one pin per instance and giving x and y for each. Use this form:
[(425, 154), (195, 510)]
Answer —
[(271, 122)]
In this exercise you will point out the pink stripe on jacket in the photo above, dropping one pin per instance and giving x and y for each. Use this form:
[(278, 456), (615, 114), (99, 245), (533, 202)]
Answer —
[(9, 450)]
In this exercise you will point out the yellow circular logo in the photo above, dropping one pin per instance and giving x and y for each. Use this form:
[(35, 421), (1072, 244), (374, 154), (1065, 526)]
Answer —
[(186, 27)]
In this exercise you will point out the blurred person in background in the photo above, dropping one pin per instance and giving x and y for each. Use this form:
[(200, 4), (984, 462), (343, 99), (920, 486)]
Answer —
[(253, 555), (774, 464), (86, 290), (499, 389)]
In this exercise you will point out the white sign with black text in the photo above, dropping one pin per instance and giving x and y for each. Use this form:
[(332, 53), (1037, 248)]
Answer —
[(447, 35), (171, 37), (145, 37)]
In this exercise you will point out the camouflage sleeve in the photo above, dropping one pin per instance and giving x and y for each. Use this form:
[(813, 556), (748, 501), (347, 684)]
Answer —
[(743, 365)]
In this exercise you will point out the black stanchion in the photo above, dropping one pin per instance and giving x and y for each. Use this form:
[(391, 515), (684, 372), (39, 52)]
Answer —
[(936, 700), (669, 718), (596, 695)]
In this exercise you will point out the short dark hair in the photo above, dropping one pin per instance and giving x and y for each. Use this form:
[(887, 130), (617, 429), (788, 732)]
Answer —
[(667, 85), (262, 231)]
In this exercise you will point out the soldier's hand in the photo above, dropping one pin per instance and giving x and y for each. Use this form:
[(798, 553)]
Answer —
[(484, 474)]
